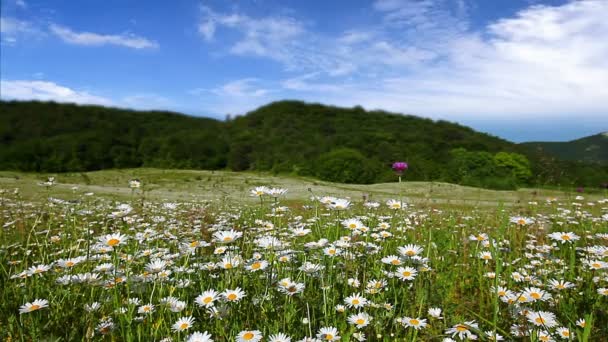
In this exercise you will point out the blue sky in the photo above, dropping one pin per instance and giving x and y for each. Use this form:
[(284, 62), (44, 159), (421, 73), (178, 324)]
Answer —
[(519, 69)]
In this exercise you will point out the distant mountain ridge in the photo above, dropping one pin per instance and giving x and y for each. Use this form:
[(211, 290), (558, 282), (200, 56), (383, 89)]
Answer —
[(348, 145), (590, 149)]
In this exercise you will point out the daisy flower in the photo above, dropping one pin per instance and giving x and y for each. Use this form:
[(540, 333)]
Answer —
[(564, 237), (112, 240), (406, 273), (355, 301), (492, 336), (416, 323), (328, 334), (156, 266), (360, 320), (183, 323), (565, 333), (257, 265), (207, 298), (394, 204), (259, 191), (435, 313), (227, 236), (199, 337), (249, 335), (463, 330), (353, 224), (392, 260), (33, 306), (542, 318), (560, 284), (521, 221), (233, 295), (145, 309), (410, 250), (38, 269), (534, 294), (339, 204), (486, 256), (280, 337), (603, 291), (581, 322)]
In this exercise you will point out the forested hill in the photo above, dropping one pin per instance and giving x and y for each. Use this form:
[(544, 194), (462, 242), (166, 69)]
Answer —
[(338, 144), (591, 149)]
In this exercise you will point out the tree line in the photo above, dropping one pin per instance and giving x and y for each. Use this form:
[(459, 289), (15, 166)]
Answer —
[(348, 145)]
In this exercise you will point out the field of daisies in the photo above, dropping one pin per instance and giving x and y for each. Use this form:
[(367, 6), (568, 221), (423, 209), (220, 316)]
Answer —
[(322, 269)]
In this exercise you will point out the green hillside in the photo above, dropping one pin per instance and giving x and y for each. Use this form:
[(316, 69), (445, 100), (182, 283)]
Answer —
[(591, 149), (348, 145)]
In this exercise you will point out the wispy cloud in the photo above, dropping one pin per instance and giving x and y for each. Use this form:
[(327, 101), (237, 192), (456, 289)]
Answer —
[(12, 29), (545, 61), (95, 39), (47, 91)]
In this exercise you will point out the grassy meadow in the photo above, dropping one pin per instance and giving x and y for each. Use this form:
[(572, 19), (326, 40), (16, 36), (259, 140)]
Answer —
[(221, 256)]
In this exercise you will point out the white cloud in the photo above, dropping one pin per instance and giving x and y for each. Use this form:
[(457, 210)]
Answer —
[(94, 39), (245, 87), (11, 29), (546, 61), (47, 91)]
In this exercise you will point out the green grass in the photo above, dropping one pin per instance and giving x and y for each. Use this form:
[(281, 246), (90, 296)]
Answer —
[(176, 215)]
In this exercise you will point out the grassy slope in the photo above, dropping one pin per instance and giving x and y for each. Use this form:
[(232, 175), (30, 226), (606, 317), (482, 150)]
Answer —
[(212, 185), (591, 149)]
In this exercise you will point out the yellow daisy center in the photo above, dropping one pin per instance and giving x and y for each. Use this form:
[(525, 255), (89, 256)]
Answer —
[(395, 262), (34, 307), (355, 301), (352, 226), (329, 337), (539, 320), (113, 242), (407, 273), (256, 265), (414, 322), (461, 328), (565, 237), (207, 300), (183, 326), (227, 238), (248, 336), (232, 296), (521, 221), (535, 295), (410, 253), (69, 264), (360, 321)]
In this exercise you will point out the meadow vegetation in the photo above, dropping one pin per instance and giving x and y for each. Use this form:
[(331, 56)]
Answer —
[(151, 255)]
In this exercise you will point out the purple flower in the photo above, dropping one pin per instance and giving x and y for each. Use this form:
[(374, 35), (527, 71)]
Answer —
[(399, 167)]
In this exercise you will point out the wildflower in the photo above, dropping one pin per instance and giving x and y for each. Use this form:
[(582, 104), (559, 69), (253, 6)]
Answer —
[(33, 306), (492, 336), (233, 295), (542, 318), (69, 263), (328, 334), (38, 269), (486, 256), (249, 335), (276, 192), (603, 291), (355, 301), (597, 264), (560, 284), (544, 336), (564, 237), (199, 337), (207, 298), (435, 313), (353, 224), (257, 265), (280, 337), (406, 273), (353, 282), (565, 333), (399, 167), (156, 266), (259, 191), (521, 221), (416, 323), (112, 240), (339, 204), (360, 320), (392, 260), (145, 309), (134, 183), (332, 251), (227, 236), (581, 322), (463, 330), (183, 323), (410, 250), (534, 294), (394, 204)]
